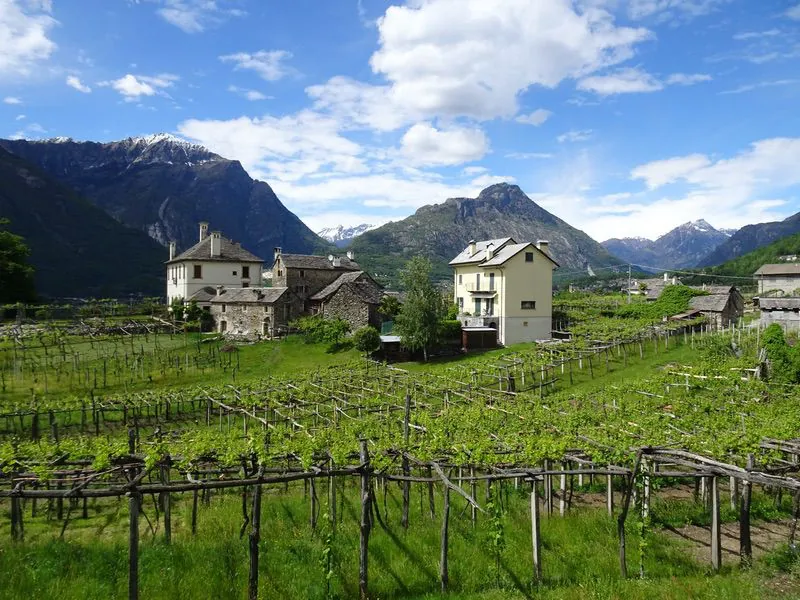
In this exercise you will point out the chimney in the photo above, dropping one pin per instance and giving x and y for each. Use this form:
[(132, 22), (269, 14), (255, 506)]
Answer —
[(666, 277), (277, 252), (171, 250), (330, 258), (473, 248), (216, 244), (489, 251), (674, 280), (350, 254), (203, 230), (544, 246), (337, 262), (220, 288)]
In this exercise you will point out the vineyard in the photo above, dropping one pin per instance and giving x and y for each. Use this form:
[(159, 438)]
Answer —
[(361, 440)]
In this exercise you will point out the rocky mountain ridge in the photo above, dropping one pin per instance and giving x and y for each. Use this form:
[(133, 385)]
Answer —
[(341, 236)]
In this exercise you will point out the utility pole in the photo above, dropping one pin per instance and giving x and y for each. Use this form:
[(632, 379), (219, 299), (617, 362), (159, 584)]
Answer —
[(629, 283)]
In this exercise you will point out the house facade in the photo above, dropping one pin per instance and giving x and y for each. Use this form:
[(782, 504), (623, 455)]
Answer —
[(783, 311), (353, 297), (779, 279), (506, 286), (214, 260), (721, 309), (252, 312)]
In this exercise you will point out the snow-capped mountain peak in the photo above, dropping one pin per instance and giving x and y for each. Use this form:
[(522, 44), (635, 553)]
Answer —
[(341, 235)]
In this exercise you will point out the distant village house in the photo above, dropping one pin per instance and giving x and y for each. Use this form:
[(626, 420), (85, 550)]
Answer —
[(778, 279), (783, 311)]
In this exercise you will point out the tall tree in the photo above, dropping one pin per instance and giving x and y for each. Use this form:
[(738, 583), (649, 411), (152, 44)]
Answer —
[(418, 322), (16, 275)]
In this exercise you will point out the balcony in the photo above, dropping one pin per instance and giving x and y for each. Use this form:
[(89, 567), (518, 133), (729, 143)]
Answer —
[(482, 292)]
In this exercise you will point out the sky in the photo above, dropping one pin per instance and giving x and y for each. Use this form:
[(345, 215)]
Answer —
[(623, 117)]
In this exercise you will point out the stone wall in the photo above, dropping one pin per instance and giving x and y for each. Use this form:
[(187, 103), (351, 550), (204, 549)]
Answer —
[(788, 319), (249, 320), (347, 305)]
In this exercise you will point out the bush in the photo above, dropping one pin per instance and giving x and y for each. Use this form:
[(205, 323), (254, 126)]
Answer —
[(367, 339), (784, 362), (317, 329), (672, 301), (450, 329)]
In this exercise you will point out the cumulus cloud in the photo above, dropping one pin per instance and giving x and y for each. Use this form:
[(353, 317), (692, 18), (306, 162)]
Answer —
[(426, 145), (76, 84), (252, 95), (633, 80), (267, 64), (24, 41), (195, 16), (12, 100), (360, 105), (134, 87), (661, 172), (499, 49), (536, 118)]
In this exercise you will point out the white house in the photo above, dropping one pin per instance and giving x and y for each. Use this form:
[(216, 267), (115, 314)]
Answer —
[(507, 286), (213, 261), (778, 279)]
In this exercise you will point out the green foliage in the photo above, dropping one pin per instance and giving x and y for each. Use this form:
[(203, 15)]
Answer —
[(747, 264), (389, 307), (316, 329), (452, 312), (450, 329), (784, 361), (367, 339), (418, 321), (672, 301), (16, 275)]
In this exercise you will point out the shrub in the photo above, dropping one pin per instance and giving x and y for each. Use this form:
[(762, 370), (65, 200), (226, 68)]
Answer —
[(367, 339), (450, 329), (317, 329)]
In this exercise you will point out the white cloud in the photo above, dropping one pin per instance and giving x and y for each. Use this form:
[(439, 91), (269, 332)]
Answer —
[(528, 155), (499, 49), (252, 95), (20, 118), (661, 172), (12, 100), (536, 118), (687, 79), (134, 87), (672, 10), (75, 83), (24, 27), (794, 13), (474, 170), (31, 131), (623, 81), (358, 105), (267, 64), (631, 80), (425, 145), (750, 35), (194, 16), (761, 84), (575, 135)]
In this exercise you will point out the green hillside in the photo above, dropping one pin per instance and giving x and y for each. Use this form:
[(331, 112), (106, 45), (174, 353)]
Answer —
[(747, 264)]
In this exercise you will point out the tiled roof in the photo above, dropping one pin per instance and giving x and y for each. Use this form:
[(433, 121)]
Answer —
[(334, 286), (712, 303), (358, 282), (716, 289), (480, 251), (249, 295), (204, 295), (779, 303), (229, 252), (779, 269), (309, 261)]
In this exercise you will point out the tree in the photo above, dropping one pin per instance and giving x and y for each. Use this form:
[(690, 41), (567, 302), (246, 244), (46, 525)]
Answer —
[(367, 339), (16, 275), (418, 321), (389, 307)]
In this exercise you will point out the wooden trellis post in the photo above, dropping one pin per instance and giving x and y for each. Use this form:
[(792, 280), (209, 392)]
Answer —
[(535, 535), (716, 540), (444, 574), (745, 549), (254, 539), (133, 546), (363, 555)]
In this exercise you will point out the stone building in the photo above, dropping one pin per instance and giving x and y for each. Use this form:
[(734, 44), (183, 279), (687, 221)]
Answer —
[(305, 275), (778, 279), (783, 311), (353, 297), (252, 312), (720, 309)]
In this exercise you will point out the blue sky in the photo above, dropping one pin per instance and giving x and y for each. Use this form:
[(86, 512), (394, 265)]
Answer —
[(623, 117)]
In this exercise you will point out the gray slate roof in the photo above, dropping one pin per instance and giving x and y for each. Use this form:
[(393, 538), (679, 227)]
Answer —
[(204, 295), (716, 289), (464, 257), (229, 252), (330, 289), (359, 282), (779, 269), (779, 303), (309, 261), (712, 303), (251, 295)]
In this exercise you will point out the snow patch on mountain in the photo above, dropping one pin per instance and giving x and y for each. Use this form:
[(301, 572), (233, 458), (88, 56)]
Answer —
[(341, 235)]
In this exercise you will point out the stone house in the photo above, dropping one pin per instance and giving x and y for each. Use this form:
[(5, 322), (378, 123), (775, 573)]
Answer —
[(783, 311), (720, 309), (780, 279), (214, 260), (305, 274), (252, 312), (353, 297)]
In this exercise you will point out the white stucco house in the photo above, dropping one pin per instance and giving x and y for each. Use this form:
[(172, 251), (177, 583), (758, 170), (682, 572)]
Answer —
[(778, 279), (507, 286), (213, 261)]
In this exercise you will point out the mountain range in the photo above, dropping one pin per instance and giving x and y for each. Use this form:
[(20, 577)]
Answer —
[(440, 231), (685, 246), (341, 236), (751, 237), (164, 186)]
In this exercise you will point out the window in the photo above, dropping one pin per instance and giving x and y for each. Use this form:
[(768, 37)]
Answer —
[(460, 279), (244, 307), (198, 271), (477, 307), (280, 272), (234, 273), (224, 307), (490, 306), (477, 281), (491, 281), (245, 284), (245, 272), (461, 304), (528, 305), (302, 273), (529, 257), (266, 308), (223, 326)]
